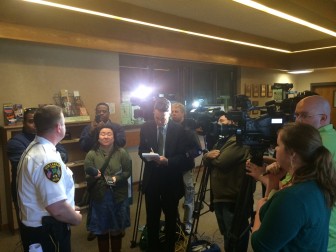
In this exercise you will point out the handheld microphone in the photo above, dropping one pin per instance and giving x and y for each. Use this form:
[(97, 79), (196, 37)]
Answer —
[(93, 172)]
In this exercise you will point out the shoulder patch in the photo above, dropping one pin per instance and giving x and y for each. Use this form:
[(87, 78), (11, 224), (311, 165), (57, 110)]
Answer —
[(53, 171)]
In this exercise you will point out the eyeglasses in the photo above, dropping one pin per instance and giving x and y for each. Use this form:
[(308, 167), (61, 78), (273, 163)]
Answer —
[(304, 115)]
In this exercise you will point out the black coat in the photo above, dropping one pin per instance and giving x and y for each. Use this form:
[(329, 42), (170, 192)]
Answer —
[(165, 178)]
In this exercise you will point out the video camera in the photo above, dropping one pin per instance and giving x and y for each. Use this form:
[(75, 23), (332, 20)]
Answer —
[(256, 132)]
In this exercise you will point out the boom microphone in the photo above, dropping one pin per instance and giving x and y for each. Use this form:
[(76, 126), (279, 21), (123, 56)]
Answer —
[(93, 172)]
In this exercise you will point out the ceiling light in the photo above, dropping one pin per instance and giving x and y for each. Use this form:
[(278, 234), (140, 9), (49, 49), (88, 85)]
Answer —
[(301, 71), (283, 15), (101, 14), (249, 3)]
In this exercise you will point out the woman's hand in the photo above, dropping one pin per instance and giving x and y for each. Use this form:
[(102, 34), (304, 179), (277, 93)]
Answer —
[(98, 175), (254, 170)]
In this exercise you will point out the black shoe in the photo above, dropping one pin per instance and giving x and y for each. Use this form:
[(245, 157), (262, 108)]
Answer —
[(91, 236)]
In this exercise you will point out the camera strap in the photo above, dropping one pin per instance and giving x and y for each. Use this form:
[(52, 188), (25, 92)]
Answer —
[(107, 160)]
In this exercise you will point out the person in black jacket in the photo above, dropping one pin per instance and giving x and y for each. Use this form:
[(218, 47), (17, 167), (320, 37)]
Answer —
[(163, 176), (88, 135)]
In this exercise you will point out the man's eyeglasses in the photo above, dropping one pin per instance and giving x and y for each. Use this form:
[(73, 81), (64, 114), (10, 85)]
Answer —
[(304, 115)]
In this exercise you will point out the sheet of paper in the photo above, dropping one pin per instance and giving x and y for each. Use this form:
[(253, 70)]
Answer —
[(150, 156)]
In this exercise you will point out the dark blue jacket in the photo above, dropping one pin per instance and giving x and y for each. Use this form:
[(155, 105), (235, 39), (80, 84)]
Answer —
[(88, 140)]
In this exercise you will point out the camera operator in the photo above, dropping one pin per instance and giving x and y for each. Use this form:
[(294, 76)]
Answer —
[(227, 169)]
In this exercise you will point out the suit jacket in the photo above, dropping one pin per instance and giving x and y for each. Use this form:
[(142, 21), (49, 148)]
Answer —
[(165, 178)]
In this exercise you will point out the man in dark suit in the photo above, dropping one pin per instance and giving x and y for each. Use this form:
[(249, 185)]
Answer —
[(163, 176)]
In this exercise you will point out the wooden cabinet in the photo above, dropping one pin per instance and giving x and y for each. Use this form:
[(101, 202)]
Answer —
[(75, 162)]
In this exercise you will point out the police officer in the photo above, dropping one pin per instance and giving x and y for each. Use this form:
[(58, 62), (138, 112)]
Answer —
[(46, 187)]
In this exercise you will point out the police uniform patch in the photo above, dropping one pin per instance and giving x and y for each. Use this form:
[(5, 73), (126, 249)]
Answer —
[(53, 171)]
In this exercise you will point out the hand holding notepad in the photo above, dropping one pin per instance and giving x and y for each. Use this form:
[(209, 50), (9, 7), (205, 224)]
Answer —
[(151, 156)]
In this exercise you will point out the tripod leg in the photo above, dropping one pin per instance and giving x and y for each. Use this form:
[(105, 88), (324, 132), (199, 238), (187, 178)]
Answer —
[(197, 210), (138, 211)]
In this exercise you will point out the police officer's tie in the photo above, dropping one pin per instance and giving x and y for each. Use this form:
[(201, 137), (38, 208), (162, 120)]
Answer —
[(160, 142)]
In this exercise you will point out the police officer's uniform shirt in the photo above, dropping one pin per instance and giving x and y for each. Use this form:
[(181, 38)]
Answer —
[(43, 179)]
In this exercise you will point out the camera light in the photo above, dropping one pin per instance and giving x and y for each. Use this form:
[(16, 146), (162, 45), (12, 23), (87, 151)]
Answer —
[(197, 103), (142, 92)]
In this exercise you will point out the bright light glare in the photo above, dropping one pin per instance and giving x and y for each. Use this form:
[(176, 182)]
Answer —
[(142, 92), (197, 103)]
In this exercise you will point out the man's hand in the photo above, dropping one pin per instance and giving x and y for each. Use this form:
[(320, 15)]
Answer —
[(212, 154)]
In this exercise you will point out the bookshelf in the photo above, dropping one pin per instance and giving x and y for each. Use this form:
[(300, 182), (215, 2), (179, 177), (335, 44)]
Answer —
[(75, 162)]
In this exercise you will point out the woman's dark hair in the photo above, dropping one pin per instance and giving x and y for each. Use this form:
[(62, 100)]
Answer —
[(306, 141), (97, 132)]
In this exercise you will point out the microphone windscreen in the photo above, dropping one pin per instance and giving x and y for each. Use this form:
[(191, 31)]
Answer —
[(91, 171)]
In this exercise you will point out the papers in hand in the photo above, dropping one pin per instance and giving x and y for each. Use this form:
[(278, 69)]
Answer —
[(151, 156)]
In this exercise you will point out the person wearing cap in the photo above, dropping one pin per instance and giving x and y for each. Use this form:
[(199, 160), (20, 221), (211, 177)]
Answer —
[(226, 162)]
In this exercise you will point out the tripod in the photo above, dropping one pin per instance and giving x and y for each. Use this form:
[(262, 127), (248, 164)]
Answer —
[(243, 209), (138, 210), (198, 204)]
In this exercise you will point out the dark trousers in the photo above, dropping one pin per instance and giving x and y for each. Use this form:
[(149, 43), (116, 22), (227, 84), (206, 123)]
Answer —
[(224, 214), (53, 236), (168, 203)]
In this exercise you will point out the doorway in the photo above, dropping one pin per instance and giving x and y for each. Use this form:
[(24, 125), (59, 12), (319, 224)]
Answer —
[(328, 91)]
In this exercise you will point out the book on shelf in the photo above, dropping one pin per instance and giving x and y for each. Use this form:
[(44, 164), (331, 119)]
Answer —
[(79, 105), (66, 103), (18, 112), (9, 115)]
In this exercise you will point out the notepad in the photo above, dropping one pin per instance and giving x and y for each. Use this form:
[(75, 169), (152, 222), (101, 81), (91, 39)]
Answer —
[(151, 156)]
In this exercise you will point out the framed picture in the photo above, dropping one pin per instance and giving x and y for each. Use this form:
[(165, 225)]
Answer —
[(262, 90), (255, 104), (248, 90), (255, 90), (269, 90)]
